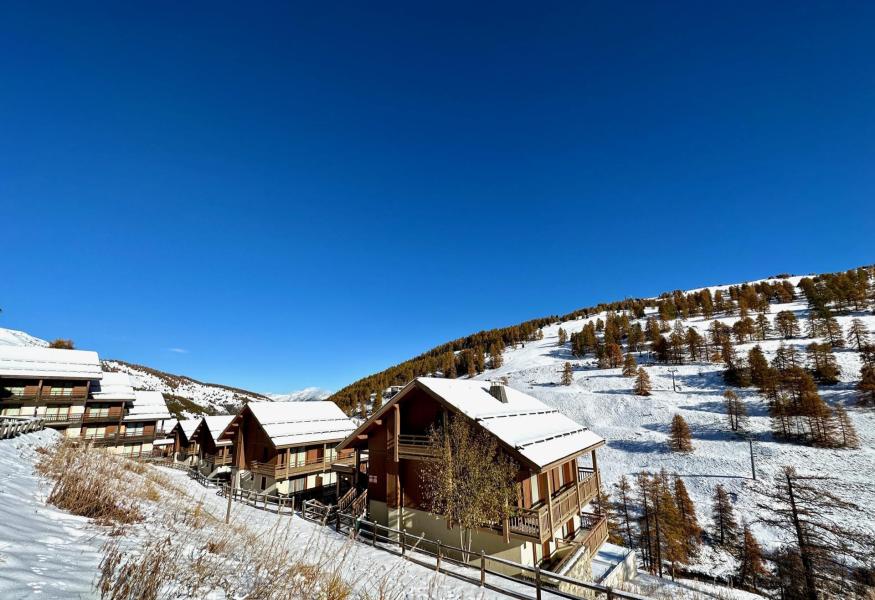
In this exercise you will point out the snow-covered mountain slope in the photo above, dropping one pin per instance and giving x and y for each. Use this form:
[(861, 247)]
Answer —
[(636, 427), (305, 395), (13, 337)]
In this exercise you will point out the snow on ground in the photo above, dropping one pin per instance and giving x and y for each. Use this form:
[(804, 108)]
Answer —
[(636, 428), (47, 553), (44, 552)]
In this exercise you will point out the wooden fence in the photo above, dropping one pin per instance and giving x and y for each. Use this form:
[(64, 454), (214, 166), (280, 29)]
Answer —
[(281, 505), (11, 427), (490, 572)]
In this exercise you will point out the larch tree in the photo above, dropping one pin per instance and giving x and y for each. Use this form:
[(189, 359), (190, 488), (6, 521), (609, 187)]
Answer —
[(471, 482), (680, 439), (858, 335), (787, 324), (763, 326), (846, 432), (690, 524), (630, 366), (495, 355), (61, 344), (378, 401), (808, 512), (866, 386), (723, 518), (622, 507), (563, 337), (567, 374), (642, 383), (751, 566), (735, 410)]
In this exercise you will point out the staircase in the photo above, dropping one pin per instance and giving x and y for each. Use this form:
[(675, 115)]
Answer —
[(11, 427)]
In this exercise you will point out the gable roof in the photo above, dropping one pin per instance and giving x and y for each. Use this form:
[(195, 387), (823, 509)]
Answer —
[(537, 434), (148, 405), (298, 423), (187, 427), (113, 386), (38, 363), (214, 425)]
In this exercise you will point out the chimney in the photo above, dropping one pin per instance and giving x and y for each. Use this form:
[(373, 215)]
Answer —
[(498, 391)]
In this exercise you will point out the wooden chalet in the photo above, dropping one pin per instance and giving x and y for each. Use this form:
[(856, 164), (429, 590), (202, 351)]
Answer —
[(288, 447), (185, 447), (558, 471), (214, 455), (49, 383), (122, 419)]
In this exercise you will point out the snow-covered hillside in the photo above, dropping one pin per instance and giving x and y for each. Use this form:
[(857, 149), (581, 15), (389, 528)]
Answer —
[(636, 427)]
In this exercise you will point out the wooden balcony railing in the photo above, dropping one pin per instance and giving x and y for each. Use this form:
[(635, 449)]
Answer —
[(413, 446), (218, 460), (91, 417), (313, 465), (62, 418), (535, 522)]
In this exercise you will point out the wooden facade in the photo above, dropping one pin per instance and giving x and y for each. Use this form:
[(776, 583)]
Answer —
[(551, 497), (265, 465)]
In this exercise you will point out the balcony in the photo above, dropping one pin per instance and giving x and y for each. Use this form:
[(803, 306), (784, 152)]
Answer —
[(535, 522), (95, 417), (218, 460), (61, 418), (412, 446), (316, 465), (115, 438)]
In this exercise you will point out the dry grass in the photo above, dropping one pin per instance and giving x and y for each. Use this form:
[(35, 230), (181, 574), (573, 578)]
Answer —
[(90, 483), (166, 544)]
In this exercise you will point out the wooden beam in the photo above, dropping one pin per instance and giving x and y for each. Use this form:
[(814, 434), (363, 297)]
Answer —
[(598, 479), (550, 503), (397, 430), (577, 486)]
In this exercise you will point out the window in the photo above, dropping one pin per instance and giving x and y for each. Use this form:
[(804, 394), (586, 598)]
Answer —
[(263, 482), (14, 390), (134, 429), (11, 411), (61, 389), (97, 410)]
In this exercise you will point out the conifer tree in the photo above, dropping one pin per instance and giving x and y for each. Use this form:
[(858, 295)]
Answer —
[(680, 439), (378, 400), (670, 534), (691, 531), (642, 383), (787, 324), (751, 566), (630, 366), (495, 355), (621, 507), (723, 517), (858, 335), (736, 411), (695, 344), (449, 366), (866, 386), (846, 433), (763, 327), (613, 355), (567, 374), (822, 363), (563, 337), (808, 511), (758, 365)]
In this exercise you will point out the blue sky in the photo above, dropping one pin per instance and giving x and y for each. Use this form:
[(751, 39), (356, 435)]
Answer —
[(282, 196)]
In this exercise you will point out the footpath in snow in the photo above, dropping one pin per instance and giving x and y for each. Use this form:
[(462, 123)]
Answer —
[(44, 552)]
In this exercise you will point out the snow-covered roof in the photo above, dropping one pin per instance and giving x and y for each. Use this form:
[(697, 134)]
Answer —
[(188, 426), (113, 386), (216, 424), (298, 423), (537, 431), (37, 363), (148, 405)]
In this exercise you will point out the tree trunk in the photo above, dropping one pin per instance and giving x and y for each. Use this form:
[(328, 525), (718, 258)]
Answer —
[(810, 589)]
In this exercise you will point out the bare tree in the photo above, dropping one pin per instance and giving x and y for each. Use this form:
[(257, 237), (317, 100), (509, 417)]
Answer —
[(470, 481), (805, 509), (735, 410)]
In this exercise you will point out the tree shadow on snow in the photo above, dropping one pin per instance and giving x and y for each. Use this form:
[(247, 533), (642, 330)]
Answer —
[(646, 446)]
